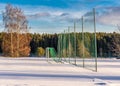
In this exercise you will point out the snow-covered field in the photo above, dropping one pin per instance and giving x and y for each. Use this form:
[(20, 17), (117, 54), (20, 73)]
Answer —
[(38, 72)]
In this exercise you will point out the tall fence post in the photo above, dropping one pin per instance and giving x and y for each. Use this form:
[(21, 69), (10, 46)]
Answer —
[(69, 43), (75, 41), (61, 47), (95, 39), (83, 56), (64, 46)]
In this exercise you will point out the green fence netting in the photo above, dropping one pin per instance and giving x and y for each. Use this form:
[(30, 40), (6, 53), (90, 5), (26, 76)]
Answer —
[(77, 44)]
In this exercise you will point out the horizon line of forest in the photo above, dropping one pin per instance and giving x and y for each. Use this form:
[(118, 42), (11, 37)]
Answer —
[(108, 44)]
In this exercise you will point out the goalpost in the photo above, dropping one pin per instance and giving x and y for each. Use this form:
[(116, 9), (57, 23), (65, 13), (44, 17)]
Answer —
[(47, 54), (51, 53)]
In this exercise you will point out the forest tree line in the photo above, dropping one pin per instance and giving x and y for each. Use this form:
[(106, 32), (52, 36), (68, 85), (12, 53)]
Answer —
[(108, 44), (16, 41)]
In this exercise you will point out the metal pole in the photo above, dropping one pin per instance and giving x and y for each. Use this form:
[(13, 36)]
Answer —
[(69, 44), (83, 42), (95, 40), (47, 53), (75, 41), (64, 45), (60, 47)]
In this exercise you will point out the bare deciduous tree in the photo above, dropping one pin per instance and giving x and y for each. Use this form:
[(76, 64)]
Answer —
[(16, 40)]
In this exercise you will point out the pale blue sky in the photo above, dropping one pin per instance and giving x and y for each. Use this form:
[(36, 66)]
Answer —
[(54, 16)]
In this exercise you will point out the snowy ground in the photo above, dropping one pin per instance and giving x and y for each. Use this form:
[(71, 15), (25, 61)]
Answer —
[(39, 72)]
